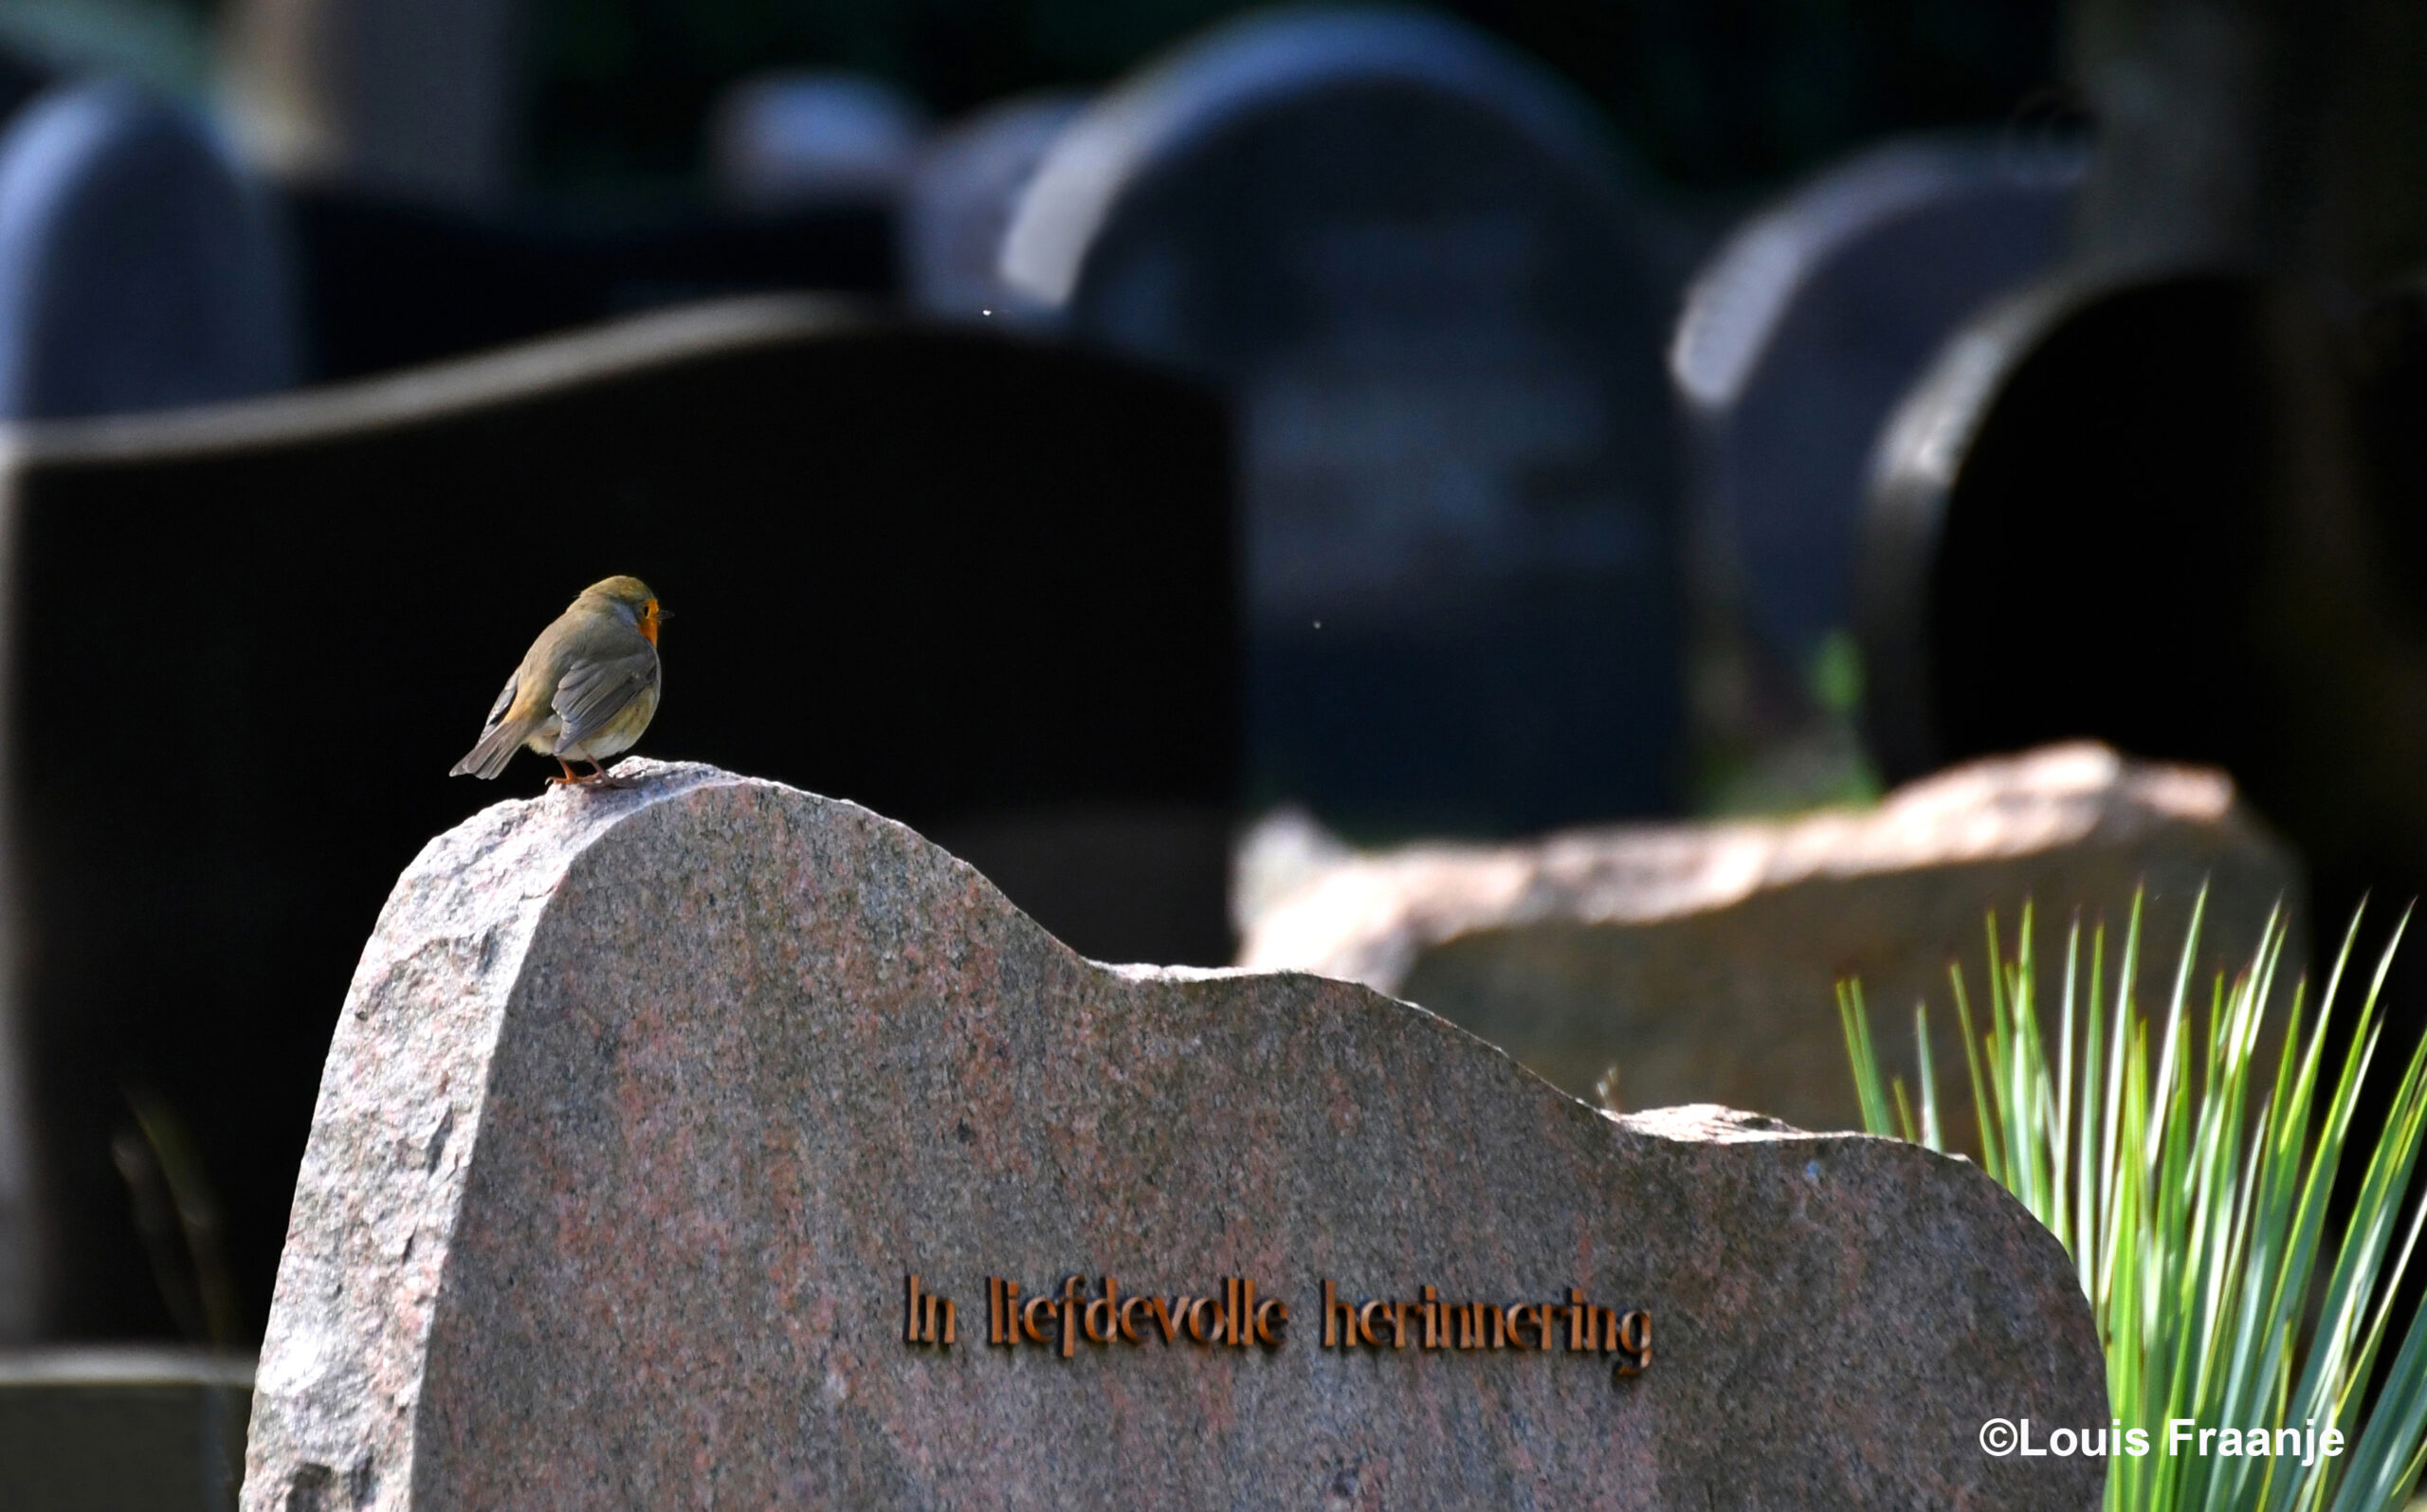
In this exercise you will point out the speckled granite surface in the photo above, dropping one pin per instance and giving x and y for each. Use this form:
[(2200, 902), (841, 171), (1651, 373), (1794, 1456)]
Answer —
[(645, 1101)]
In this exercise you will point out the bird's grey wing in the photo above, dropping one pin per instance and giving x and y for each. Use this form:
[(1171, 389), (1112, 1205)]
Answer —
[(504, 702), (496, 747), (590, 694)]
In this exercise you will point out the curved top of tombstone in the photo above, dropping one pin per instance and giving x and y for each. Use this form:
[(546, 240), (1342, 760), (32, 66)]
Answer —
[(1800, 335), (606, 353), (653, 1112), (456, 385), (140, 267), (1742, 300), (2100, 435), (1152, 124), (963, 197)]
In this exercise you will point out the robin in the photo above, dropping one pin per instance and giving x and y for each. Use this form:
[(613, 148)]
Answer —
[(585, 688)]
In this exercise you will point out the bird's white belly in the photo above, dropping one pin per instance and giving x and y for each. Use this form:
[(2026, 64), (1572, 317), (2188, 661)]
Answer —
[(614, 741)]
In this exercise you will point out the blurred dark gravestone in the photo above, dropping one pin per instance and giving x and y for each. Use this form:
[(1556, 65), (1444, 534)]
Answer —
[(977, 582), (141, 268), (1414, 260), (2066, 527), (1806, 328), (2167, 512), (121, 1428), (963, 197)]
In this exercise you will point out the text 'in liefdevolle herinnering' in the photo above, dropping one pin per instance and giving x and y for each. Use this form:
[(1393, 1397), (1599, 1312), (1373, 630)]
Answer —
[(1106, 1317)]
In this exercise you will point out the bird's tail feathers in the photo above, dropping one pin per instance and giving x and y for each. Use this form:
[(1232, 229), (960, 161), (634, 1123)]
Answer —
[(496, 748)]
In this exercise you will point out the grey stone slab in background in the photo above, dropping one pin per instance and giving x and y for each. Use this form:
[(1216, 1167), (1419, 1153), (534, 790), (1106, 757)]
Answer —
[(645, 1101), (118, 1429), (1425, 277), (1701, 960)]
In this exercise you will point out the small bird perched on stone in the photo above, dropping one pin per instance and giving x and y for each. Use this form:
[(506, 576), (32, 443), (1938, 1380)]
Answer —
[(585, 688)]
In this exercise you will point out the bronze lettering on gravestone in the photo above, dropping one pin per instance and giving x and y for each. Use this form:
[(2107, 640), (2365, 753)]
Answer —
[(1236, 1318)]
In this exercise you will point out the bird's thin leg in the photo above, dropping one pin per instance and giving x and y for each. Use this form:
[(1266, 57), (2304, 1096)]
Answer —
[(595, 777), (599, 775)]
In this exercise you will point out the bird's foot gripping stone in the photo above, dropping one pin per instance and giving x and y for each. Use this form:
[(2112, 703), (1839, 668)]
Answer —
[(708, 1140)]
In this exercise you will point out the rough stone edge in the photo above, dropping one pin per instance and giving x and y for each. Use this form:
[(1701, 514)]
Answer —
[(1711, 1123), (360, 1344), (374, 1366)]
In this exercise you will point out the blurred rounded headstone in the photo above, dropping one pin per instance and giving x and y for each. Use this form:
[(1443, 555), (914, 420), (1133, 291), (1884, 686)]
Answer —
[(2170, 510), (1802, 333), (782, 140), (139, 270), (1414, 259), (968, 184), (2064, 531)]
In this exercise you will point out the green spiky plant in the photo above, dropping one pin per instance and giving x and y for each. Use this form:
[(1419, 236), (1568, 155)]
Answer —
[(2191, 1186)]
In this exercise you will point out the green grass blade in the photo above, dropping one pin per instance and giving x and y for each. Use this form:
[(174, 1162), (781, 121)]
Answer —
[(1931, 1136), (1856, 1023), (2192, 1186)]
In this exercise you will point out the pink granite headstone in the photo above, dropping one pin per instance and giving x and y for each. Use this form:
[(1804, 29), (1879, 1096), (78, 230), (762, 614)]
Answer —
[(647, 1105)]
